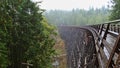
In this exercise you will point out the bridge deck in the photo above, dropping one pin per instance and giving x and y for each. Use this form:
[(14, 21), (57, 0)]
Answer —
[(92, 46)]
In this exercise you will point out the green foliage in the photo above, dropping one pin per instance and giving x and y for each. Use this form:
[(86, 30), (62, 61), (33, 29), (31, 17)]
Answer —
[(25, 36), (115, 12), (77, 16)]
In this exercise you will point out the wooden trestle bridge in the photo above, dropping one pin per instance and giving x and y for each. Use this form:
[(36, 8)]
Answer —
[(92, 46)]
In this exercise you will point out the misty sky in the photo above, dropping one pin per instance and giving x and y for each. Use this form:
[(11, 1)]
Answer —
[(70, 4)]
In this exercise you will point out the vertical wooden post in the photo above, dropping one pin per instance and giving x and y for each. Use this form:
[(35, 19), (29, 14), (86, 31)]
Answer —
[(118, 28), (106, 31), (85, 64), (101, 29), (98, 28), (111, 27), (114, 27)]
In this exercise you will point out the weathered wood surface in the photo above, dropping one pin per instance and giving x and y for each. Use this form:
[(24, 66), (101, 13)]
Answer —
[(80, 47), (104, 38), (108, 44)]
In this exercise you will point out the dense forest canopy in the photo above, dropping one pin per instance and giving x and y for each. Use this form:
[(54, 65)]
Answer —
[(77, 16)]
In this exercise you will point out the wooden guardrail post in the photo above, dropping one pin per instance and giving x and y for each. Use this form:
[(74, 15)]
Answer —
[(118, 28), (106, 31), (111, 27), (114, 28), (101, 29)]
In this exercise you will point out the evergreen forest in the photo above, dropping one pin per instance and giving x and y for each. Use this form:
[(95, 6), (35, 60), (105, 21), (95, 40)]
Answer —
[(78, 17)]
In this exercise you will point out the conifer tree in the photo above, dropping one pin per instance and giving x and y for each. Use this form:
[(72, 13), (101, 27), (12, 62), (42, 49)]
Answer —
[(25, 35), (115, 12)]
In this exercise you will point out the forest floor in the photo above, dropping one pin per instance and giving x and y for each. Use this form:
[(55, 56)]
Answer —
[(60, 53)]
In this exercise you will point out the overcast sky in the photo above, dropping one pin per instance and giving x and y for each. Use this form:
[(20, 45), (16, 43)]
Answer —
[(70, 4)]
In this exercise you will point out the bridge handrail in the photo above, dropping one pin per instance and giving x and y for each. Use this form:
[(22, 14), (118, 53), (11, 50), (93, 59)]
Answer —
[(109, 28), (114, 21)]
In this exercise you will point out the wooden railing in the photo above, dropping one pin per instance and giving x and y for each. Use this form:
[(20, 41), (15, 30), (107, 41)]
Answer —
[(108, 44)]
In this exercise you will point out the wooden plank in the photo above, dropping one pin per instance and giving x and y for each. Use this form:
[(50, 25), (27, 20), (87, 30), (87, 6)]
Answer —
[(97, 48), (115, 34), (100, 37), (114, 21), (107, 45), (118, 62), (102, 53), (103, 56), (115, 58), (100, 61), (113, 51)]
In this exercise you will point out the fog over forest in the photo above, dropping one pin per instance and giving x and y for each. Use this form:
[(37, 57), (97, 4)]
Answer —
[(77, 16)]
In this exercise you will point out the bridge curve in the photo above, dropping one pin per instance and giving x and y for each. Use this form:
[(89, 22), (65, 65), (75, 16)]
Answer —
[(80, 46), (104, 42)]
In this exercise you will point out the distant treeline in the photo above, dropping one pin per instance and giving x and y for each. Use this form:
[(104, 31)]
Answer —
[(77, 16)]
